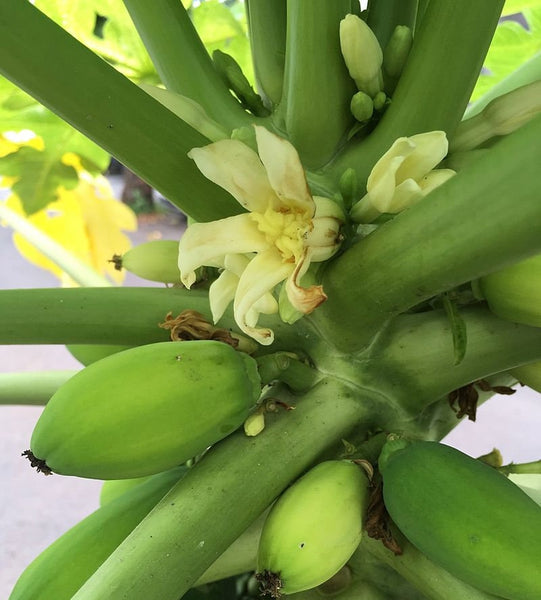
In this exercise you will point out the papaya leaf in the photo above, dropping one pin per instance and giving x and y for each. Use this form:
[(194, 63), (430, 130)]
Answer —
[(513, 7), (38, 175), (55, 132), (512, 45), (221, 28), (458, 328)]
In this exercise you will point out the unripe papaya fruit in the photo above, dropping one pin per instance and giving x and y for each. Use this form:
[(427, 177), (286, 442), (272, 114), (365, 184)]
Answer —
[(465, 516), (313, 528), (62, 568), (87, 354), (145, 410), (514, 293), (529, 375), (156, 261)]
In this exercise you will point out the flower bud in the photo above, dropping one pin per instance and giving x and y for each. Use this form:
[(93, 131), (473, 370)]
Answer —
[(397, 51), (362, 107), (501, 116), (362, 54)]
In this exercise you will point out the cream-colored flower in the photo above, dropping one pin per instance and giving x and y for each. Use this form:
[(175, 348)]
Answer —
[(284, 231), (403, 175)]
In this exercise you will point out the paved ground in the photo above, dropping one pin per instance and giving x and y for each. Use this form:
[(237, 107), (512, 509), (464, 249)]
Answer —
[(35, 510)]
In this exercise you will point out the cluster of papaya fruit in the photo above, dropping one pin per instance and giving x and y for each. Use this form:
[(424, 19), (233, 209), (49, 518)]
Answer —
[(136, 417)]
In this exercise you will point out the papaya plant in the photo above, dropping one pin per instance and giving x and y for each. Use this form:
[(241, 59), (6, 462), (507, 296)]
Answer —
[(359, 270)]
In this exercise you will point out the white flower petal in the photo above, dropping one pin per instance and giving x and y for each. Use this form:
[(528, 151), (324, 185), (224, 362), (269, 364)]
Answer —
[(204, 243), (405, 195), (434, 179), (430, 149), (236, 168), (284, 171), (221, 293), (382, 180), (304, 300), (264, 272)]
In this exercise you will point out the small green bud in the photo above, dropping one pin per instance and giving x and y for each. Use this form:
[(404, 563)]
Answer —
[(246, 135), (348, 186), (254, 424), (362, 107), (397, 51), (234, 78), (380, 100), (362, 54)]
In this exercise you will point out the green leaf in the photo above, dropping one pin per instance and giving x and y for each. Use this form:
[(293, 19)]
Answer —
[(39, 175), (458, 328), (517, 6), (512, 46), (121, 45), (224, 29)]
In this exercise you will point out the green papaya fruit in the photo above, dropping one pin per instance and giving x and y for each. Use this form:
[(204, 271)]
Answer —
[(113, 488), (514, 293), (62, 568), (313, 528), (87, 354), (465, 516), (529, 375), (156, 261), (145, 410)]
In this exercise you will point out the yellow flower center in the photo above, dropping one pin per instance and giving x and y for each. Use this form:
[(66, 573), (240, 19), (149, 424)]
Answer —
[(285, 228)]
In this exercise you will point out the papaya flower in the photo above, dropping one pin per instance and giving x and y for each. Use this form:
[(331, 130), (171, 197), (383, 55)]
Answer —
[(403, 175), (284, 231)]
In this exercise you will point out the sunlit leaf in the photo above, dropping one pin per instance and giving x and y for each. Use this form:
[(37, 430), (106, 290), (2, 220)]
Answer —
[(220, 29), (517, 6), (88, 221), (511, 47), (37, 175)]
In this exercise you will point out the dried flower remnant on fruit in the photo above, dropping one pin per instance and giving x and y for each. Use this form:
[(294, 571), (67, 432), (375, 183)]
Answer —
[(270, 584), (403, 176), (190, 325), (285, 230), (37, 463)]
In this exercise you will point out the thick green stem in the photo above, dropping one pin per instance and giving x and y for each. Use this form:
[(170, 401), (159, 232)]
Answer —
[(434, 89), (221, 496), (44, 60), (181, 59), (430, 579), (314, 109), (34, 387), (385, 15), (118, 316), (267, 29), (479, 221), (412, 362), (127, 316)]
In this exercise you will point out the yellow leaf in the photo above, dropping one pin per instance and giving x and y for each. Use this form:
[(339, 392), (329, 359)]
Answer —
[(11, 141)]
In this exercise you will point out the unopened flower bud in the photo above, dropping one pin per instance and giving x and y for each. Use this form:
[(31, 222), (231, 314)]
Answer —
[(397, 50), (501, 116), (362, 54), (362, 107)]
